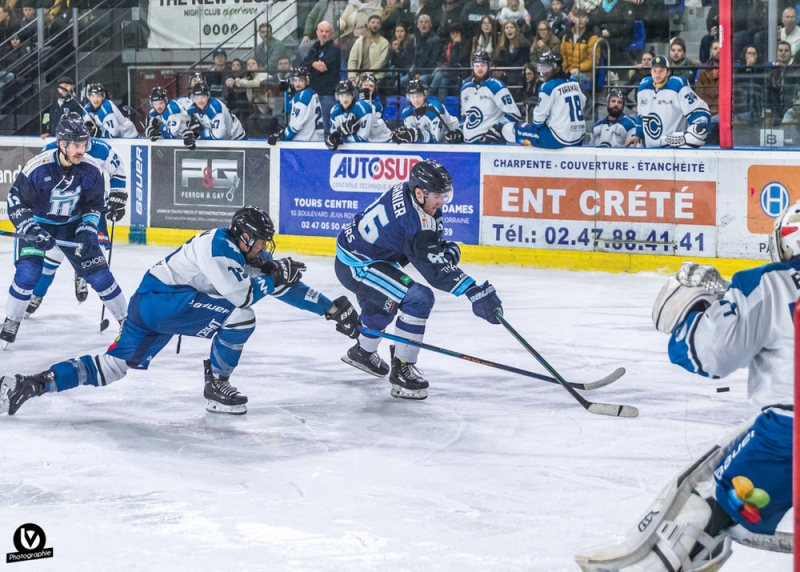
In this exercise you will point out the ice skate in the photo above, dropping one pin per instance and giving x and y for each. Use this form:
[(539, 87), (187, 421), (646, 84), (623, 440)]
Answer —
[(222, 396), (9, 332), (81, 289), (33, 305), (407, 383), (369, 362), (16, 390)]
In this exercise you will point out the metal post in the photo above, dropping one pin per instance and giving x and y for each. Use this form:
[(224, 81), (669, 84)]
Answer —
[(725, 73), (40, 43), (75, 39), (772, 31)]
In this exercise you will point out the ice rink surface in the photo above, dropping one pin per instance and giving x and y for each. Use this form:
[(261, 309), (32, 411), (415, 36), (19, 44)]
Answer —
[(327, 471)]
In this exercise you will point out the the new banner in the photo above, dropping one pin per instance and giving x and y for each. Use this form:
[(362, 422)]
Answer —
[(322, 191)]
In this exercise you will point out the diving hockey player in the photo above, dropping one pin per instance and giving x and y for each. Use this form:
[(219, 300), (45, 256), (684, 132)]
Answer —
[(106, 117), (404, 225), (209, 118), (305, 113), (558, 116), (616, 128), (354, 120), (743, 485), (486, 105), (204, 289), (166, 119), (59, 195), (424, 120), (671, 114)]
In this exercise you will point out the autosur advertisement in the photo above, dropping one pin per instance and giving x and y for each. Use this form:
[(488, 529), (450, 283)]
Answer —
[(630, 203), (322, 191)]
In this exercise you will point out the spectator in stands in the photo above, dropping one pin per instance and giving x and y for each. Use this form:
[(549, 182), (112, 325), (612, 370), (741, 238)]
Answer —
[(234, 97), (680, 66), (513, 51), (655, 15), (449, 13), (576, 48), (792, 116), (558, 20), (712, 25), (514, 12), (425, 46), (455, 54), (393, 15), (27, 24), (708, 89), (749, 23), (471, 16), (614, 21), (323, 11), (216, 76), (65, 103), (530, 90), (431, 8), (486, 39), (642, 71), (270, 50), (8, 27), (537, 12), (401, 56), (749, 86), (277, 100), (353, 21), (370, 52), (255, 115), (783, 81), (324, 60), (790, 32), (545, 41)]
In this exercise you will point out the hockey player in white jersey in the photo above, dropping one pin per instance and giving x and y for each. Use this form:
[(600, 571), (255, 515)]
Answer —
[(671, 114), (424, 120), (207, 289), (167, 119), (354, 120), (558, 116), (185, 101), (486, 105), (305, 113), (743, 485), (368, 91), (106, 117), (616, 128), (209, 118)]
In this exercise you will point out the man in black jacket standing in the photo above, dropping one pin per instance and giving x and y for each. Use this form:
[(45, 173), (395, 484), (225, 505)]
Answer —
[(425, 44), (324, 60), (64, 103)]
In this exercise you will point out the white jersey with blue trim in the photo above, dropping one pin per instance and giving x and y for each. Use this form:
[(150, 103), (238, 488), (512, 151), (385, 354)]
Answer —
[(110, 120), (371, 127), (172, 121), (217, 120), (613, 133), (305, 117), (432, 120), (560, 107), (484, 105), (107, 157), (668, 110), (751, 326)]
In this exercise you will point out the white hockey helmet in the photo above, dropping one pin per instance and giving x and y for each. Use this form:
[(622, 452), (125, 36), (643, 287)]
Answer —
[(784, 244)]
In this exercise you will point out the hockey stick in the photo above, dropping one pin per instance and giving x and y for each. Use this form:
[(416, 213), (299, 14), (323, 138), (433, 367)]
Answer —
[(103, 320), (598, 408), (779, 542), (69, 244), (444, 123), (585, 386)]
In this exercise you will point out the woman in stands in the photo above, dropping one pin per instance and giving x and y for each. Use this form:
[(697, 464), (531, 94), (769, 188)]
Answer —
[(486, 40), (513, 51), (749, 86), (545, 41)]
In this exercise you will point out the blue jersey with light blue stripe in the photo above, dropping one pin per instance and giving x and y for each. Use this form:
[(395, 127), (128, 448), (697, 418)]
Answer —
[(107, 157)]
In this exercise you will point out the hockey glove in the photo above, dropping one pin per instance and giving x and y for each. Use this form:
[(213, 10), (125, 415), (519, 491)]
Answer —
[(350, 126), (485, 302), (693, 137), (284, 271), (93, 128), (38, 236), (346, 317), (494, 135), (116, 205), (192, 133), (452, 252), (153, 130), (189, 140), (333, 141), (406, 135), (275, 137), (86, 234), (454, 136)]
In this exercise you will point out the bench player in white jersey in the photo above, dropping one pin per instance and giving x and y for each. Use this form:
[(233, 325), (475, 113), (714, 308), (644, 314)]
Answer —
[(185, 101), (616, 128), (486, 105), (209, 118), (671, 114), (305, 113), (106, 118), (206, 289), (167, 119), (424, 120), (354, 120), (743, 485), (558, 116), (368, 91)]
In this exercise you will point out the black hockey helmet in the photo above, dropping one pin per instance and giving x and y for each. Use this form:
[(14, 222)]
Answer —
[(615, 92), (158, 93), (345, 86), (431, 176), (482, 57), (71, 129), (551, 58), (255, 223), (369, 77), (416, 86), (96, 88), (302, 73), (201, 88)]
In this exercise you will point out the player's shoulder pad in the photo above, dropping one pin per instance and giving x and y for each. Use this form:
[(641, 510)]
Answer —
[(548, 86), (305, 96), (628, 121), (100, 149), (152, 113), (173, 107), (676, 83), (746, 281), (223, 246), (214, 105), (336, 111), (408, 110), (494, 85), (108, 106), (92, 166), (600, 122), (87, 107), (45, 157), (468, 83), (362, 108), (193, 109), (646, 84)]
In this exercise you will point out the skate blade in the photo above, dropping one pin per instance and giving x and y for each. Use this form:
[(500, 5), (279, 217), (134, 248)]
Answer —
[(5, 345), (214, 407), (346, 359), (401, 392)]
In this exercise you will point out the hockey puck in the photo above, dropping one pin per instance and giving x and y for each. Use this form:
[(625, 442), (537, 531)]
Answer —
[(723, 389)]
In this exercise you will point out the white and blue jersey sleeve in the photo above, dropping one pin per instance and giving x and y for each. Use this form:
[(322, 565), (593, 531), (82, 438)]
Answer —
[(370, 126), (171, 121), (610, 133), (433, 124), (305, 117), (751, 326), (560, 107), (217, 121), (484, 105), (668, 110), (111, 121)]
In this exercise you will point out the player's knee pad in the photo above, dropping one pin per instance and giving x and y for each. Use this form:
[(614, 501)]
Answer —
[(241, 319), (375, 320), (88, 370), (227, 347), (28, 272), (418, 301), (103, 282)]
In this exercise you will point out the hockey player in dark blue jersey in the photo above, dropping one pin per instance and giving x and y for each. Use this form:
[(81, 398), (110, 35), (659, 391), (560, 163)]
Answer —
[(354, 120), (59, 195), (404, 226), (424, 120), (616, 128), (166, 119)]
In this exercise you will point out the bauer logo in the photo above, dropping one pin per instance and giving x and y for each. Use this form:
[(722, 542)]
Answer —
[(368, 173), (29, 540)]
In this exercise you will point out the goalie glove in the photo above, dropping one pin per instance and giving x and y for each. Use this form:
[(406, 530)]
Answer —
[(692, 289), (153, 130), (693, 138), (349, 126), (333, 141), (494, 135), (406, 135), (346, 317), (454, 136)]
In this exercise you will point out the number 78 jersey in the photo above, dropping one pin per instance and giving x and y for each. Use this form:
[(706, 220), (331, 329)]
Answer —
[(560, 107)]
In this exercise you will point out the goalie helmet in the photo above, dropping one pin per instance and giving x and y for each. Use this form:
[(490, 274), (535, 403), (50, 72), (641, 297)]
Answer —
[(158, 94), (255, 223), (785, 240), (97, 88), (431, 176), (71, 129)]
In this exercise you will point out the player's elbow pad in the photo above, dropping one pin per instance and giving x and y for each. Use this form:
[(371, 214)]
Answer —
[(262, 286)]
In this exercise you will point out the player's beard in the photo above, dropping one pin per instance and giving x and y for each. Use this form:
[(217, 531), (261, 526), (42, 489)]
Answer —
[(614, 112), (478, 79)]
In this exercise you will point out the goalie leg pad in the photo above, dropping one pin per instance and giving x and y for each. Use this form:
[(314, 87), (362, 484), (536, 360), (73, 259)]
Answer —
[(676, 301)]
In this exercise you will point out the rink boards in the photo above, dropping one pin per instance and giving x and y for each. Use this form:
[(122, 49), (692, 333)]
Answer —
[(586, 208)]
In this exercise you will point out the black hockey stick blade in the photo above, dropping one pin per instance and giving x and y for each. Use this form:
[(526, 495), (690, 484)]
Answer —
[(103, 320), (597, 408), (778, 542), (104, 324), (592, 385)]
